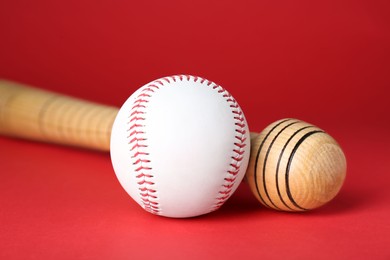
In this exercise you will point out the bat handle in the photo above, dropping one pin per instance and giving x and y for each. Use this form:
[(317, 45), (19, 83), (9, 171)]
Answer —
[(35, 114)]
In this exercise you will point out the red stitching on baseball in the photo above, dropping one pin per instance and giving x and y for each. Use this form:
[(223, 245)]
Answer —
[(144, 94), (241, 125), (137, 145), (223, 199), (166, 79), (153, 86), (149, 89), (138, 138), (159, 82), (143, 168), (148, 195), (238, 150), (138, 106), (228, 186), (144, 175), (135, 139), (230, 179), (146, 189), (141, 100), (136, 113), (145, 182), (240, 145), (137, 118), (135, 132), (141, 161), (140, 156), (237, 159), (241, 131), (236, 167)]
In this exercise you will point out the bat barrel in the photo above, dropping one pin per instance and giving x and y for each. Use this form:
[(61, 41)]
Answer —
[(35, 114)]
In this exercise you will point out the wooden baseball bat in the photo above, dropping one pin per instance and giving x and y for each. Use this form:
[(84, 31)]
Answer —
[(40, 115), (36, 114)]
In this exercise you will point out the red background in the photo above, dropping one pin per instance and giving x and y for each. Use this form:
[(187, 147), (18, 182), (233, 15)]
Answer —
[(325, 62)]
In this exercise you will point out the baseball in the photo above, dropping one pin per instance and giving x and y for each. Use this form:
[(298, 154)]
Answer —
[(180, 146), (295, 166)]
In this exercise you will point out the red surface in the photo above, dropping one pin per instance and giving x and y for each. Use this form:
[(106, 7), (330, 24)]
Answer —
[(325, 62)]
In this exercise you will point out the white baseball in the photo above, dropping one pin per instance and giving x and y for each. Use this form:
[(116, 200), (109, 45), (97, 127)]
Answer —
[(180, 146)]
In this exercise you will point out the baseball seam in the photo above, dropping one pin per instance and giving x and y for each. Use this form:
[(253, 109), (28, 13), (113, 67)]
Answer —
[(138, 143), (140, 156), (238, 151)]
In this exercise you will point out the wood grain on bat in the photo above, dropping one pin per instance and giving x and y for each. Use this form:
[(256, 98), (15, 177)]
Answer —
[(41, 115)]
